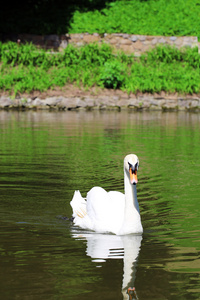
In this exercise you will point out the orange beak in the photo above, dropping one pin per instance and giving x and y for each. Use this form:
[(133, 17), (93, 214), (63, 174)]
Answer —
[(133, 176)]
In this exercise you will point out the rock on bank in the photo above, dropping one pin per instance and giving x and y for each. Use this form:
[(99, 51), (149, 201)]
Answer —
[(105, 102)]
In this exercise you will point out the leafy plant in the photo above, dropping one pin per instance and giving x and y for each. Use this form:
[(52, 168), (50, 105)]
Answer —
[(94, 54), (112, 74)]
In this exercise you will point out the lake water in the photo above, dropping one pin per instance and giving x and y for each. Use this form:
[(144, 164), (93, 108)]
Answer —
[(45, 156)]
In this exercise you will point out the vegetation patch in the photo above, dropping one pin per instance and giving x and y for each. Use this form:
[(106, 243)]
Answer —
[(152, 17), (25, 68)]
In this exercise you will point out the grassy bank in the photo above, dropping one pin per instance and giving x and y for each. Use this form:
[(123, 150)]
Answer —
[(25, 68), (160, 17)]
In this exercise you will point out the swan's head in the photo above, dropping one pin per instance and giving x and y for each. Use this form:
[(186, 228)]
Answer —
[(131, 165)]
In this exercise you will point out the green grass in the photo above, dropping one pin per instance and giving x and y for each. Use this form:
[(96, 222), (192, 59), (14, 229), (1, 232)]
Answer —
[(152, 17), (25, 68)]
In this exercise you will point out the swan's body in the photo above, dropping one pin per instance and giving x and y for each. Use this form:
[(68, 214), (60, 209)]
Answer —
[(111, 211)]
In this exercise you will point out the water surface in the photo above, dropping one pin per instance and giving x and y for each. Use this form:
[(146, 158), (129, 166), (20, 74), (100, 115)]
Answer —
[(45, 156)]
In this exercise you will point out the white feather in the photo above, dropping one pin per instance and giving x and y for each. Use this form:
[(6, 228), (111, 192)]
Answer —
[(109, 211)]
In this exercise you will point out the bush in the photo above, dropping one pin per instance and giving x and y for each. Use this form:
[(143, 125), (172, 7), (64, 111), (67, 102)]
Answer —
[(93, 54), (112, 75), (169, 54)]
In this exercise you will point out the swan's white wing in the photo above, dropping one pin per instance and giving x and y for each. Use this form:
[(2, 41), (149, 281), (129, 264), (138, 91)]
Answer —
[(80, 215), (78, 205), (102, 212), (105, 209)]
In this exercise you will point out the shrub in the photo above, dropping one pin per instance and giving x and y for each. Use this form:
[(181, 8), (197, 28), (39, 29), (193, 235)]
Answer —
[(95, 54), (112, 74)]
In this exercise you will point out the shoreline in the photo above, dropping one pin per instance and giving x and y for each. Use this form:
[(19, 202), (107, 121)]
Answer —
[(73, 98)]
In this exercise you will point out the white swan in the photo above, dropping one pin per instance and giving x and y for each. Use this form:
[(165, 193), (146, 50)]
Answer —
[(111, 212)]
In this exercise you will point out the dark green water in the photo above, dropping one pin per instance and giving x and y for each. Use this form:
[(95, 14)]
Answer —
[(45, 156)]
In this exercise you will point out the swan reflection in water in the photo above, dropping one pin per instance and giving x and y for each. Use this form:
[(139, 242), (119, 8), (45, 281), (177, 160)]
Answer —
[(101, 247)]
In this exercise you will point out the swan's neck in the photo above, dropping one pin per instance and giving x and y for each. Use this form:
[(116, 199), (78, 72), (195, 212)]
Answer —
[(132, 221), (130, 196)]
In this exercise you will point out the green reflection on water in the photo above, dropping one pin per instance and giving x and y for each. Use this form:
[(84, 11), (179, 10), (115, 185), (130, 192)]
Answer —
[(44, 157)]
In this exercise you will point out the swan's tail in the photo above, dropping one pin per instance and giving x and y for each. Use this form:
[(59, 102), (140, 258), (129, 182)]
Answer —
[(78, 205)]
